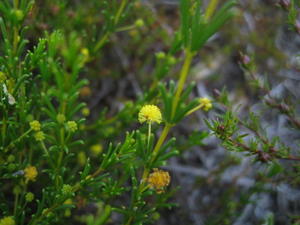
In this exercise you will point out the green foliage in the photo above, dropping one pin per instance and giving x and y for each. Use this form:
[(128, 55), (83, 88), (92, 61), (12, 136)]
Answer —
[(45, 169), (59, 154)]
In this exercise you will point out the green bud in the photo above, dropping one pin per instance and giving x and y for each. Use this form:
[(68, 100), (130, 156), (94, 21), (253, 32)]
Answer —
[(139, 23), (72, 126), (11, 167), (67, 189), (17, 190), (18, 14), (160, 55), (171, 60), (29, 197), (11, 158), (60, 118)]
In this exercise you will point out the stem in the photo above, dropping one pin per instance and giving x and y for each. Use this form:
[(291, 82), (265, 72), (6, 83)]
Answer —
[(102, 41), (16, 4), (17, 140), (126, 28), (4, 122), (48, 155), (149, 134), (210, 9), (16, 204), (183, 75), (119, 13), (194, 109), (161, 140)]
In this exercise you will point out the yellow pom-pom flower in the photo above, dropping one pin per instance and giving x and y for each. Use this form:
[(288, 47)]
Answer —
[(139, 23), (30, 173), (85, 111), (81, 158), (8, 220), (158, 180), (206, 103), (35, 125), (39, 136), (150, 114), (72, 126), (96, 149)]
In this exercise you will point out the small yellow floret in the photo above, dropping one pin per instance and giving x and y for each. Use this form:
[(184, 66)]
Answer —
[(85, 111), (72, 126), (8, 220), (30, 173), (85, 52), (206, 103), (39, 136), (158, 180), (139, 23), (96, 149), (67, 189), (150, 113), (81, 158), (35, 125)]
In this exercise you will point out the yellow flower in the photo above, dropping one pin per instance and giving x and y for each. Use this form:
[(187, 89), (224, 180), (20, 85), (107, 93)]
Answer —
[(81, 158), (8, 220), (67, 189), (30, 173), (85, 52), (206, 103), (35, 125), (68, 202), (96, 149), (85, 111), (139, 23), (72, 126), (39, 136), (160, 55), (158, 180), (150, 113)]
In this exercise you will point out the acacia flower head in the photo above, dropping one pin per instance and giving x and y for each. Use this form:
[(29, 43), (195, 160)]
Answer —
[(35, 125), (150, 113), (206, 103), (30, 173), (8, 220), (39, 136), (72, 126), (158, 180), (139, 23), (67, 189), (96, 149)]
